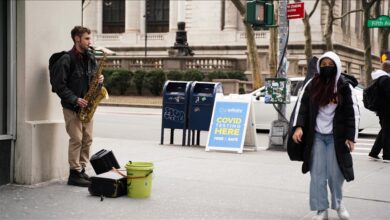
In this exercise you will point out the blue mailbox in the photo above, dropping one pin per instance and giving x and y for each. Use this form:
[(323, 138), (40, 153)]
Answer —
[(201, 104), (175, 107)]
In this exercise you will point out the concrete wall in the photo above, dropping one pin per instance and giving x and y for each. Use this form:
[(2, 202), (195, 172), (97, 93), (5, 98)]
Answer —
[(43, 27)]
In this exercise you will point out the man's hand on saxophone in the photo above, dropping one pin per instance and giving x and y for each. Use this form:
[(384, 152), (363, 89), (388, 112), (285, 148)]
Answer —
[(82, 102), (101, 79)]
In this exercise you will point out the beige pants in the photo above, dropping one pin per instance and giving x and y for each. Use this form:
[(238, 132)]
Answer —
[(80, 140)]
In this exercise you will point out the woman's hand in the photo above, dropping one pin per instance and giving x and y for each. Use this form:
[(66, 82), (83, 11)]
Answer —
[(297, 136), (350, 145)]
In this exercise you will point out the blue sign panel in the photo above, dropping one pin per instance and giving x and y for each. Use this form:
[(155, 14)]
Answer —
[(228, 125)]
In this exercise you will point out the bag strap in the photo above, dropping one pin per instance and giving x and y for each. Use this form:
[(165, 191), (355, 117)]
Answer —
[(72, 61)]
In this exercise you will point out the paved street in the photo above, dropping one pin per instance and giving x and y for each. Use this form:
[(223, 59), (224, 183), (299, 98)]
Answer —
[(190, 183)]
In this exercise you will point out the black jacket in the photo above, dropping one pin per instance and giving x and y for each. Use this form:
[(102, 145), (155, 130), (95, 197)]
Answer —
[(384, 90), (345, 124), (73, 74)]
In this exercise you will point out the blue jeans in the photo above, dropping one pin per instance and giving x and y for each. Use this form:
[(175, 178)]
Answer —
[(324, 170)]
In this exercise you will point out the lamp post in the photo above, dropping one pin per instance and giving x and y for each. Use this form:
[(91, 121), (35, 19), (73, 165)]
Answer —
[(146, 16), (146, 34)]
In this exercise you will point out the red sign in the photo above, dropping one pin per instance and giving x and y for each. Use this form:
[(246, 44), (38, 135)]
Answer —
[(295, 10)]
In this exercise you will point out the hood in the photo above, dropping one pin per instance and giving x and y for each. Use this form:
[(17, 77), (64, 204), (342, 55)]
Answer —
[(378, 73), (350, 79), (336, 59)]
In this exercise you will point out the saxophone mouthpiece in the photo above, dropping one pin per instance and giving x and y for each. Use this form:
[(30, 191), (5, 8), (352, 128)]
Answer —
[(103, 50)]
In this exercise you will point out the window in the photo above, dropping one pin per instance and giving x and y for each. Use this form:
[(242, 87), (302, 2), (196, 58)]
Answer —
[(114, 16), (345, 22), (158, 16), (3, 67)]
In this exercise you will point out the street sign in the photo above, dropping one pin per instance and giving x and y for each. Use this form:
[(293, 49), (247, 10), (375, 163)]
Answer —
[(296, 10), (382, 21)]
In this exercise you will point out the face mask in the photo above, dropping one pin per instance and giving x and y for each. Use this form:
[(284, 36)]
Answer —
[(328, 71)]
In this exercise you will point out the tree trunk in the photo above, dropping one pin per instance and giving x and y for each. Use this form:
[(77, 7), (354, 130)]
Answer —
[(382, 32), (367, 40), (329, 27), (308, 49), (367, 47), (308, 42), (253, 56), (384, 39), (273, 48)]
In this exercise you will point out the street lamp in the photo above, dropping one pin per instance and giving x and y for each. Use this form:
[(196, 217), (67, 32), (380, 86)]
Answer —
[(146, 16)]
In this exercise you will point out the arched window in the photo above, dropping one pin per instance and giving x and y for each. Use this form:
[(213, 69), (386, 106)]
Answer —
[(158, 16), (114, 16)]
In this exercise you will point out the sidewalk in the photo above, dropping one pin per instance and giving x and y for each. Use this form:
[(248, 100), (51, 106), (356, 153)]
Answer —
[(189, 183)]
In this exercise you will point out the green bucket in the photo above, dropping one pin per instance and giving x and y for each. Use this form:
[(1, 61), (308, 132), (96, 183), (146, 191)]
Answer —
[(139, 179)]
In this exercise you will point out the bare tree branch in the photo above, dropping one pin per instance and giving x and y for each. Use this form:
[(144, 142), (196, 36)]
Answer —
[(347, 13), (327, 2), (371, 3), (240, 7), (314, 8)]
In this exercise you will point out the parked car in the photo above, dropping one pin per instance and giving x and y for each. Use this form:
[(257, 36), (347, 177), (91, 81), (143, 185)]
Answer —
[(266, 113)]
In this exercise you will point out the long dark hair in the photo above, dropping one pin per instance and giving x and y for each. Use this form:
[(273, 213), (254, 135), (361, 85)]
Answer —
[(323, 93)]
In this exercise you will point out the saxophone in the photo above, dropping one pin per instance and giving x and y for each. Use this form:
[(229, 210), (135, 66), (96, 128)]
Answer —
[(95, 94)]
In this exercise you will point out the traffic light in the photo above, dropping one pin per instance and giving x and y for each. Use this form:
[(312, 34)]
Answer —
[(260, 13), (385, 56)]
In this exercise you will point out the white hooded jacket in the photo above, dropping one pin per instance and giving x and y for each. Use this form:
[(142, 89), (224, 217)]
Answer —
[(325, 115), (378, 73)]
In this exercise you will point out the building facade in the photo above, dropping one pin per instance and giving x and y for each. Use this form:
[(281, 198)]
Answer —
[(215, 28), (33, 140)]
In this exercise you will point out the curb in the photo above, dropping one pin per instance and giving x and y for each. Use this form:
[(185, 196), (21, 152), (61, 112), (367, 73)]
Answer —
[(132, 105)]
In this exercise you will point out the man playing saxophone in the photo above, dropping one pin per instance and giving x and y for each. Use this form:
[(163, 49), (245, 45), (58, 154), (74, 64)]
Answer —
[(73, 74)]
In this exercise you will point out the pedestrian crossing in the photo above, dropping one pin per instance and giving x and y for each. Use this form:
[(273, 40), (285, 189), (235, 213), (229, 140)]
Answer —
[(363, 146)]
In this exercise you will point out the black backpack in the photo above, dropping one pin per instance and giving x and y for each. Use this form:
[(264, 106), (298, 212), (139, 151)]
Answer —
[(52, 60), (371, 96)]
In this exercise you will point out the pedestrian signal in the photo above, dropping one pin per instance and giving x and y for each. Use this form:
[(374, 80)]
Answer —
[(385, 56), (260, 13)]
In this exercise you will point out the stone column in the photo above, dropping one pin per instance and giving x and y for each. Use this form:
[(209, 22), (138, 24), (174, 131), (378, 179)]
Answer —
[(181, 10), (99, 16), (142, 9), (173, 15), (231, 16), (132, 16)]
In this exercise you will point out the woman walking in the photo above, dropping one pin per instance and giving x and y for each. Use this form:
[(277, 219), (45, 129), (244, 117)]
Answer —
[(327, 119)]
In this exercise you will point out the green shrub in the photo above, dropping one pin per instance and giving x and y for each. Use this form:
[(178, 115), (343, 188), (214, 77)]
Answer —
[(154, 81), (193, 75), (217, 75), (120, 80), (175, 75), (107, 79), (138, 80), (241, 90), (237, 75)]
